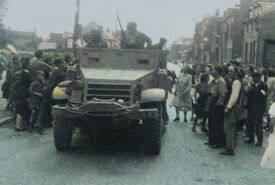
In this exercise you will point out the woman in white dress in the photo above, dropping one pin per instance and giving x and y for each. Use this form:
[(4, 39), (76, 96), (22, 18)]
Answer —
[(268, 160)]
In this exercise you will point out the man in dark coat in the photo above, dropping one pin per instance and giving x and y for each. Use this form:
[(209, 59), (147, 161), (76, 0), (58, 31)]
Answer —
[(21, 95), (218, 91), (256, 108)]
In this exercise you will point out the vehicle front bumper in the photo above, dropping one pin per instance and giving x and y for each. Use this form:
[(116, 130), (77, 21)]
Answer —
[(130, 113)]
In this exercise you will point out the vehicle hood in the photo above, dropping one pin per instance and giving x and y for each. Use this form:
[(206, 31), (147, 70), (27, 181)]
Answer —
[(113, 75)]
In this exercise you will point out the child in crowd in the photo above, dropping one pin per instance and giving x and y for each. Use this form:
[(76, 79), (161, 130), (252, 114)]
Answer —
[(35, 101)]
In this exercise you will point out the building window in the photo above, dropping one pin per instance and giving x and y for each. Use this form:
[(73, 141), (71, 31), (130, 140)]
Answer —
[(255, 52), (246, 52), (231, 32), (228, 31), (250, 53)]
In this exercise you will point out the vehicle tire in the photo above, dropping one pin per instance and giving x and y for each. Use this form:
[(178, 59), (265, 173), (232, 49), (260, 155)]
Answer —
[(153, 137), (160, 107), (63, 133), (154, 129)]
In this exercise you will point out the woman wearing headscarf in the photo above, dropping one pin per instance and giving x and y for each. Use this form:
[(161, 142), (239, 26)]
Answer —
[(182, 99)]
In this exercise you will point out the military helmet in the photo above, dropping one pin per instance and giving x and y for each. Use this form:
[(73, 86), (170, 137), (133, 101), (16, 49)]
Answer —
[(38, 54), (132, 26)]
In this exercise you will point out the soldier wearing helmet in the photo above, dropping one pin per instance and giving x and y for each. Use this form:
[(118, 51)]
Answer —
[(94, 39), (135, 39)]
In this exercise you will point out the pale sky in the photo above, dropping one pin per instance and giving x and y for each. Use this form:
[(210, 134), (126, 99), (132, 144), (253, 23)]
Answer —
[(156, 18)]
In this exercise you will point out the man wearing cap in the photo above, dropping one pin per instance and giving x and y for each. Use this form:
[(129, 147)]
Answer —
[(256, 108), (231, 112), (215, 107)]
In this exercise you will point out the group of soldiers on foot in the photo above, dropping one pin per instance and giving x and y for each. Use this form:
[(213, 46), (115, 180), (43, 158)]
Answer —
[(28, 89), (227, 98)]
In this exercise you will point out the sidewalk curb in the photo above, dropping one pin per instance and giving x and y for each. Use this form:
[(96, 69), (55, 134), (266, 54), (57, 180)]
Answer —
[(5, 121)]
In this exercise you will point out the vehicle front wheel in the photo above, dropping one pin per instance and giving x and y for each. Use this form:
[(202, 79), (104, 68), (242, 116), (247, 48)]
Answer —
[(63, 133), (153, 136)]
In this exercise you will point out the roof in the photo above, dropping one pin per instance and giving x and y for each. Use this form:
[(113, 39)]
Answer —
[(47, 45), (22, 33)]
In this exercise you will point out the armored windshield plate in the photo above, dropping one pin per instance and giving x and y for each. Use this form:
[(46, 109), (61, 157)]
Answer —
[(114, 74)]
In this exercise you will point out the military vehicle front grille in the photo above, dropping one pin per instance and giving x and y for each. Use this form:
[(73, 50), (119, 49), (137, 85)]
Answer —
[(109, 86), (109, 91)]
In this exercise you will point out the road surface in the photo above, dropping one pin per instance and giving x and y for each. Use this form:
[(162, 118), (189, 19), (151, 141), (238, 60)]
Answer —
[(31, 159)]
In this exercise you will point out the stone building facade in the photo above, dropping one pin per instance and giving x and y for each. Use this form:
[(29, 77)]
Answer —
[(266, 39), (205, 40), (245, 32), (180, 49), (253, 28)]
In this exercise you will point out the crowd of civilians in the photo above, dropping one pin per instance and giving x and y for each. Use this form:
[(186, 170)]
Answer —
[(225, 99), (28, 88)]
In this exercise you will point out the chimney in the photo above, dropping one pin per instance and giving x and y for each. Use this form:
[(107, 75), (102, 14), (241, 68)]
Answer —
[(217, 12)]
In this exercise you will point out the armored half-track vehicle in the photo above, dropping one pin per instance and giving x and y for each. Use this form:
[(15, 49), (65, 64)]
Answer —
[(119, 91)]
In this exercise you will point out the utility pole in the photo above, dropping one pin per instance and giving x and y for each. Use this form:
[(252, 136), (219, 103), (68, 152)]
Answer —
[(77, 27)]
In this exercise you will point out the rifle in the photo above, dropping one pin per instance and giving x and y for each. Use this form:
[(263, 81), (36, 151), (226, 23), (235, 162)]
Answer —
[(122, 31)]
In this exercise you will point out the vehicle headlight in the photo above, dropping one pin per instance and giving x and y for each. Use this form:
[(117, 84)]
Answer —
[(121, 101)]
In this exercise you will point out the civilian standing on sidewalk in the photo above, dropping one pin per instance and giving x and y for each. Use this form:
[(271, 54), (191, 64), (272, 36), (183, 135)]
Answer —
[(256, 108), (216, 103), (231, 111), (182, 99)]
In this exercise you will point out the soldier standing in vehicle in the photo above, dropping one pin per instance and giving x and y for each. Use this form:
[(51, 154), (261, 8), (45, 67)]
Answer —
[(134, 39), (94, 40), (160, 45)]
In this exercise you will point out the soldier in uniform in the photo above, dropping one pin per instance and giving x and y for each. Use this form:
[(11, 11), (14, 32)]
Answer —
[(58, 74), (164, 82), (38, 65), (134, 39), (94, 40), (160, 45)]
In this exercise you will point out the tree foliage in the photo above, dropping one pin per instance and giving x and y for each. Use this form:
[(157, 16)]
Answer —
[(3, 32), (2, 10)]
